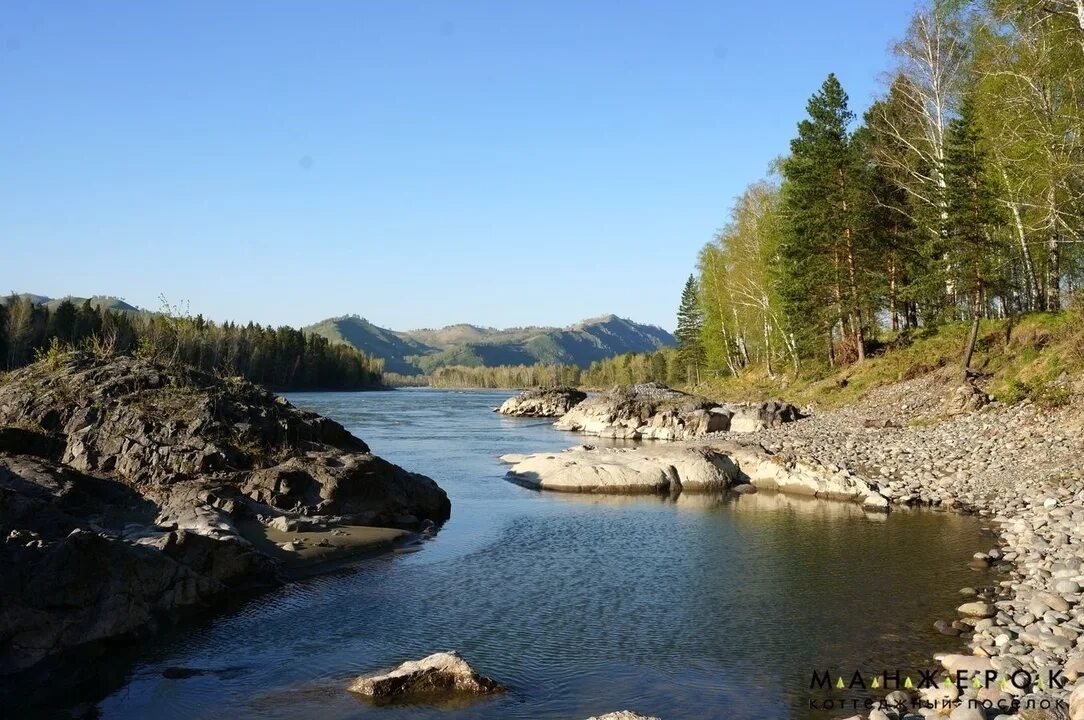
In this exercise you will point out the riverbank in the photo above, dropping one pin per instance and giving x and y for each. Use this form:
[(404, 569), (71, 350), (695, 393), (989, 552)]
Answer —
[(1021, 466)]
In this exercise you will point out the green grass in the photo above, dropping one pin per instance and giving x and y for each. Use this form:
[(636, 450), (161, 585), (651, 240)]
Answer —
[(1017, 359)]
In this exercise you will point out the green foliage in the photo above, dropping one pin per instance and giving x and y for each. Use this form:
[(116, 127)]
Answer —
[(283, 358), (661, 366), (690, 330), (743, 318), (823, 263), (517, 376), (1046, 395), (54, 354), (973, 220), (959, 196)]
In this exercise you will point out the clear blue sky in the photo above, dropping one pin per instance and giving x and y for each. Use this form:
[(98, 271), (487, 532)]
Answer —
[(418, 163)]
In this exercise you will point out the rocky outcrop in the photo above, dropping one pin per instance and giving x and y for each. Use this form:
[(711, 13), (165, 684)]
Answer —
[(663, 469), (542, 402), (123, 484), (82, 561), (964, 399), (623, 715), (649, 411), (656, 412), (433, 677), (792, 473), (751, 417), (154, 428)]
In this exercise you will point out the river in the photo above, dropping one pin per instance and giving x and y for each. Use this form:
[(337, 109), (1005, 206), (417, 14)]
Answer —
[(699, 607)]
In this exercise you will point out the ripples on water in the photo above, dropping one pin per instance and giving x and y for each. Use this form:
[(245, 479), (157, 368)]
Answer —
[(703, 607)]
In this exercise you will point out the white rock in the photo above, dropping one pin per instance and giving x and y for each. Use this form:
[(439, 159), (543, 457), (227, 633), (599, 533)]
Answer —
[(977, 609), (876, 502), (648, 469)]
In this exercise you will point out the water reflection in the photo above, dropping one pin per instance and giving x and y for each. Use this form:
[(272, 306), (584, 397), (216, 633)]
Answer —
[(695, 607)]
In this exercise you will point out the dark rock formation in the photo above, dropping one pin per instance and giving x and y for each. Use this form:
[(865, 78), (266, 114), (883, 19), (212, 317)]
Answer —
[(543, 402), (122, 482)]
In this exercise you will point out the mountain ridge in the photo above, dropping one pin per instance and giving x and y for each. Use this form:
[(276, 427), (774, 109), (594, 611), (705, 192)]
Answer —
[(423, 350)]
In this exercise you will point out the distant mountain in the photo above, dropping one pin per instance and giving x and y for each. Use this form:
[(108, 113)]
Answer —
[(425, 350), (373, 340), (96, 301), (452, 335)]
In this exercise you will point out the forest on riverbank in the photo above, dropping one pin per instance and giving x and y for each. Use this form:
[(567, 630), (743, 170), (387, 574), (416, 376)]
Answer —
[(957, 196), (282, 358)]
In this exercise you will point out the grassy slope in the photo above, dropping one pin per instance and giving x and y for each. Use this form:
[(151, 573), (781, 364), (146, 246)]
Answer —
[(1014, 359)]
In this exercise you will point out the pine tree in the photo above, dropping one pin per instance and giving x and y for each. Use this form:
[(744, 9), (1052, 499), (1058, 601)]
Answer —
[(690, 325), (822, 274), (972, 214)]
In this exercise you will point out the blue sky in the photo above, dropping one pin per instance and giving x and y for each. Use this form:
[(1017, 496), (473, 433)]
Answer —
[(417, 163)]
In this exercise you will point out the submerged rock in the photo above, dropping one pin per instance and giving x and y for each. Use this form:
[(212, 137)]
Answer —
[(542, 402), (442, 673), (623, 715), (663, 469)]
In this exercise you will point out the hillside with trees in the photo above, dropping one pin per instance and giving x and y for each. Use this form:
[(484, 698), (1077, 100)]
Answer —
[(427, 351), (957, 197), (282, 358)]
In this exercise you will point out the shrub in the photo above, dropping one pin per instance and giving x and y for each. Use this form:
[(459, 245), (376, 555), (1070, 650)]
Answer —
[(1049, 396), (1044, 394), (53, 356)]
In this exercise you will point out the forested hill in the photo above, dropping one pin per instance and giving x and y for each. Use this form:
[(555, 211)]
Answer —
[(417, 351), (375, 341)]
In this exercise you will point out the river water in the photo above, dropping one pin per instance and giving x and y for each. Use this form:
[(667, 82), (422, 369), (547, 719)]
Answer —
[(700, 607)]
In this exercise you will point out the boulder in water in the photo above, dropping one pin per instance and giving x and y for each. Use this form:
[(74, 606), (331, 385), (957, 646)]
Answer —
[(440, 674), (542, 402)]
